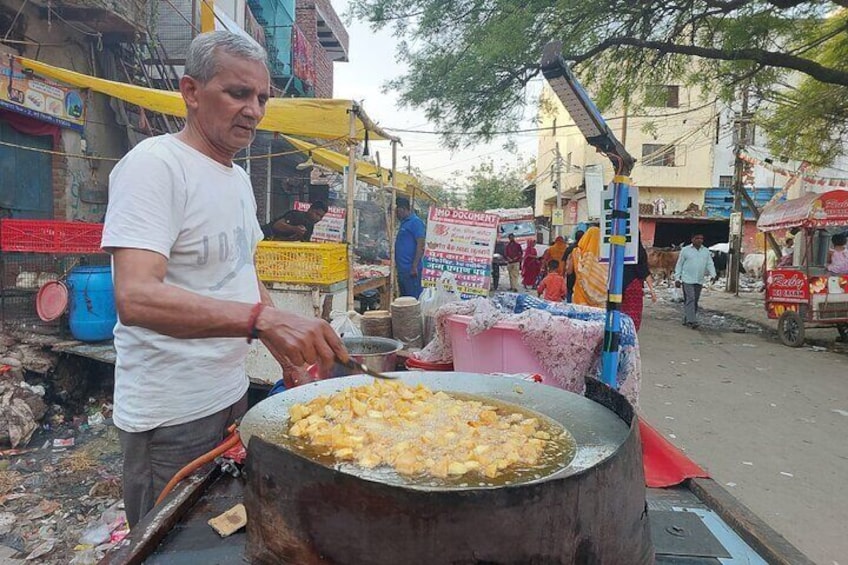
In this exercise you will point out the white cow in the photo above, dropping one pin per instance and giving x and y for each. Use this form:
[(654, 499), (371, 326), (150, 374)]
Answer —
[(754, 263)]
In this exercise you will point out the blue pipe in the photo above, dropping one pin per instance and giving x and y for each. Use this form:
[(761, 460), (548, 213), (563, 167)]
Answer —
[(615, 282)]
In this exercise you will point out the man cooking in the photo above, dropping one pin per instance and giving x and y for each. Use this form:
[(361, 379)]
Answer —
[(181, 227), (295, 225)]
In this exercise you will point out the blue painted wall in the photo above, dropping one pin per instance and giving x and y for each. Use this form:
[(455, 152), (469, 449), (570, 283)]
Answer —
[(718, 202)]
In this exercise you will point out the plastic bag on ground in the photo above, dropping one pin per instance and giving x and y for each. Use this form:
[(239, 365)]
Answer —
[(434, 298), (675, 294)]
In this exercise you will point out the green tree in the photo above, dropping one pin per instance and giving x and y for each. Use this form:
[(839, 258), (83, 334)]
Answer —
[(446, 195), (490, 188), (469, 61), (810, 121)]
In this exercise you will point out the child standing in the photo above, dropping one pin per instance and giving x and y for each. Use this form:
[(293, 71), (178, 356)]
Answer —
[(553, 285)]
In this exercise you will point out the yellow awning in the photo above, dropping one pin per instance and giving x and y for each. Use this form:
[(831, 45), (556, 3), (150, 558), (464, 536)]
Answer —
[(365, 171), (307, 117)]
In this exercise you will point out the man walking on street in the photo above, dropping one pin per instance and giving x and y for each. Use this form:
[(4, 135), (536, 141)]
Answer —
[(514, 254), (693, 263), (409, 249)]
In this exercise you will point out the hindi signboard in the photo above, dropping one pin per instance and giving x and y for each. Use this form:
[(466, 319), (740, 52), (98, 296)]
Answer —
[(631, 248), (460, 242), (331, 228), (39, 98)]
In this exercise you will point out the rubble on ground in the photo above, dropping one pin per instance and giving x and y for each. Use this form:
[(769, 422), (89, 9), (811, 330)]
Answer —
[(60, 501)]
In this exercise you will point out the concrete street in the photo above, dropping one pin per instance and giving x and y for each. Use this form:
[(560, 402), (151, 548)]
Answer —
[(768, 422)]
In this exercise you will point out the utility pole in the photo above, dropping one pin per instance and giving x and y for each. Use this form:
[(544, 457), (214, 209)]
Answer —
[(408, 160), (558, 168), (741, 126)]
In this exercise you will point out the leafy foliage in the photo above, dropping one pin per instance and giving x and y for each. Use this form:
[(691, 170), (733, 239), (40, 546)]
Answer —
[(469, 61), (810, 121), (490, 188), (446, 195)]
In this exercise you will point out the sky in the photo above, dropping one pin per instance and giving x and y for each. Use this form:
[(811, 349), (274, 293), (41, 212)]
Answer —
[(371, 64)]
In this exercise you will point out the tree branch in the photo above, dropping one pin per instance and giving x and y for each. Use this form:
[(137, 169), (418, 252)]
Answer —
[(769, 58)]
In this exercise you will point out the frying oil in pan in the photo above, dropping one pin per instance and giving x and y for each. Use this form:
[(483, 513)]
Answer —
[(557, 454)]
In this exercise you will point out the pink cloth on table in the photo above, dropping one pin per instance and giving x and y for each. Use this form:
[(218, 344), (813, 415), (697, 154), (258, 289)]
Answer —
[(568, 349)]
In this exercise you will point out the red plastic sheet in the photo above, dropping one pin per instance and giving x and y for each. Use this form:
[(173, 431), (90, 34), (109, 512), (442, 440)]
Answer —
[(664, 464)]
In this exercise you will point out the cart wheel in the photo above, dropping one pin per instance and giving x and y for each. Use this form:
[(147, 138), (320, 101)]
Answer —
[(843, 332), (790, 329)]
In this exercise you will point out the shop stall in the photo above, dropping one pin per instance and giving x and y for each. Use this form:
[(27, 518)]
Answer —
[(306, 278)]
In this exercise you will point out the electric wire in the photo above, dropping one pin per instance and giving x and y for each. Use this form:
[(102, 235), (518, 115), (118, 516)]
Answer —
[(15, 20)]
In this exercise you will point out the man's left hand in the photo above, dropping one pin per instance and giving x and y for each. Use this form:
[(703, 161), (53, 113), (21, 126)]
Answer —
[(413, 271)]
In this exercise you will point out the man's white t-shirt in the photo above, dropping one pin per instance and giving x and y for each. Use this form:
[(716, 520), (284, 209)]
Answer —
[(165, 196)]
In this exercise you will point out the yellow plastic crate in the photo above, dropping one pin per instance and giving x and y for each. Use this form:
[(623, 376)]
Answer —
[(301, 263)]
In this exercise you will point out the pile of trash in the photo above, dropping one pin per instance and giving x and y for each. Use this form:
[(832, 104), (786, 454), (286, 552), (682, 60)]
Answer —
[(60, 497)]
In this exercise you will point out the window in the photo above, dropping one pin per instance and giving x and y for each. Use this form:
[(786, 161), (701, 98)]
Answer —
[(725, 181), (662, 96), (657, 155)]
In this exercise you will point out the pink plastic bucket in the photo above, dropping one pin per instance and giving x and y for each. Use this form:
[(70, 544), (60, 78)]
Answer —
[(496, 350)]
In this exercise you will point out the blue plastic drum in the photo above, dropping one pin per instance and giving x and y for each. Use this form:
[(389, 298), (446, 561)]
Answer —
[(92, 303)]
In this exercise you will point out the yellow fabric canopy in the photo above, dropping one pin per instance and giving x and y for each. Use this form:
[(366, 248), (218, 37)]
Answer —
[(307, 117), (368, 173)]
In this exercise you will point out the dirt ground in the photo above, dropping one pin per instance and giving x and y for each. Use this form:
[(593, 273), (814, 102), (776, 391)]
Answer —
[(767, 421)]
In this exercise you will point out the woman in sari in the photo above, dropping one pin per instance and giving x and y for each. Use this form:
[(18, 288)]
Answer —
[(556, 252), (531, 266), (590, 289), (635, 276)]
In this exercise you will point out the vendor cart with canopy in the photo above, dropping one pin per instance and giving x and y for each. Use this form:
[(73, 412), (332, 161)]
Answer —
[(807, 294)]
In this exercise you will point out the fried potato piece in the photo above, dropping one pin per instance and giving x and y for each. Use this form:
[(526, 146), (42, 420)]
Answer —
[(419, 432)]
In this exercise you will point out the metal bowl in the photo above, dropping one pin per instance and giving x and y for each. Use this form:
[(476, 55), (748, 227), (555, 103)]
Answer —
[(377, 353)]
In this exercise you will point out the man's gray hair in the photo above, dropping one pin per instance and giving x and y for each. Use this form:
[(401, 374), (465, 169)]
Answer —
[(201, 60)]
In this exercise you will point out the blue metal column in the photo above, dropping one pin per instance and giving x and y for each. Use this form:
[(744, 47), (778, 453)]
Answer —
[(618, 240)]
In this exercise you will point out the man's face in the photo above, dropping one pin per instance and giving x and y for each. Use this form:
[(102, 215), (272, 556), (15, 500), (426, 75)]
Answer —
[(315, 215), (511, 238), (228, 108), (697, 241), (401, 212)]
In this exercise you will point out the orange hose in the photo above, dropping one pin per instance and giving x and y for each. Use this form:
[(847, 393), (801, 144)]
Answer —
[(229, 443)]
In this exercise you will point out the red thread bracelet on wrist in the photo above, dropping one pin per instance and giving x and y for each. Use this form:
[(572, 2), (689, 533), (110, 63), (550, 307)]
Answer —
[(252, 331)]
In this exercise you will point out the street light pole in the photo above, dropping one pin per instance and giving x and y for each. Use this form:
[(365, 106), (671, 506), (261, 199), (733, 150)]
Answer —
[(596, 131)]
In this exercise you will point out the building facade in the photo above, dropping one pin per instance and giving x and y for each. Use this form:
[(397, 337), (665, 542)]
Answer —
[(685, 146), (58, 144)]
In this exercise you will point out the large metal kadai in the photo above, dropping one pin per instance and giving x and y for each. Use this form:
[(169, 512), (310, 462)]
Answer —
[(591, 511)]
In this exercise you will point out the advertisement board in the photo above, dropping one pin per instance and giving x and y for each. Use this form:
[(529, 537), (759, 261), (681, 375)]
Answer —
[(39, 98), (460, 242), (787, 285), (331, 228), (631, 248)]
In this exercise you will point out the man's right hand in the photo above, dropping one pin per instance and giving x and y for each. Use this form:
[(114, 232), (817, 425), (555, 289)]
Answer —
[(301, 230), (300, 339)]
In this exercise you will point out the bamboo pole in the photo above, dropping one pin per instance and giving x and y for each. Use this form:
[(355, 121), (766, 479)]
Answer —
[(391, 225), (207, 16), (351, 188)]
